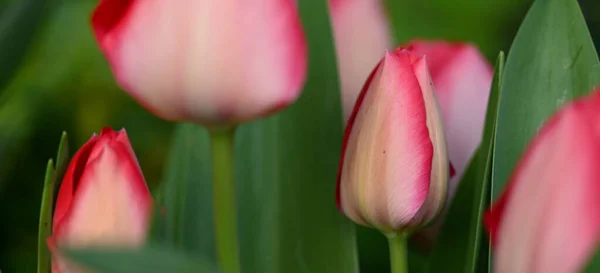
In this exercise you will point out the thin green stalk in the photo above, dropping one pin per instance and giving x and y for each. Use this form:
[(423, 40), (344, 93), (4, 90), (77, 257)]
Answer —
[(398, 254), (224, 200)]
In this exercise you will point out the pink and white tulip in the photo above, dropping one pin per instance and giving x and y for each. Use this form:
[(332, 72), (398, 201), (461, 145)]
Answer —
[(103, 199), (361, 34), (394, 166), (548, 220), (214, 62)]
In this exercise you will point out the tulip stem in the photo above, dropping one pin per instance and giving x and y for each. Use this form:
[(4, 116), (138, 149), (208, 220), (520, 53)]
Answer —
[(398, 257), (224, 200)]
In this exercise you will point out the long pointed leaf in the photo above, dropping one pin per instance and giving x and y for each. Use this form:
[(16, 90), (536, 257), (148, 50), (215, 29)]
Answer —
[(551, 61)]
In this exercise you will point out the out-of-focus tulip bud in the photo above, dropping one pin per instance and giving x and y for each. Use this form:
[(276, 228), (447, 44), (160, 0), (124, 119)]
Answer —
[(548, 220), (462, 78), (394, 166), (103, 199), (213, 62), (361, 35)]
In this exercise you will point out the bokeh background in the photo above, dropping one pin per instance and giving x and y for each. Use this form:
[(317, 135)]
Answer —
[(54, 78)]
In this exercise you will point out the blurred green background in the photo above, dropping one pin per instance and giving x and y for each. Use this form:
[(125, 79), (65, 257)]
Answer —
[(54, 78)]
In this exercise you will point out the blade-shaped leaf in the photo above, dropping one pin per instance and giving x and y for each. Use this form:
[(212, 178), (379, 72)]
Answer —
[(459, 242), (150, 259), (51, 183), (45, 225), (187, 193), (552, 60)]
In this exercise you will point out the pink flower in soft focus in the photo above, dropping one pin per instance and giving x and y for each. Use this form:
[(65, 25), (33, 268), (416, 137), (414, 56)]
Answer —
[(213, 62), (103, 199), (361, 35), (394, 166), (462, 78), (548, 219)]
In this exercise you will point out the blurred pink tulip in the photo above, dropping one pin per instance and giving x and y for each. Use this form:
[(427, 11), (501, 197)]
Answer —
[(462, 78), (394, 166), (103, 199), (361, 35), (214, 62), (548, 220)]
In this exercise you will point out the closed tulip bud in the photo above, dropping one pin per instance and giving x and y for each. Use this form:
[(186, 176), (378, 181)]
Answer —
[(214, 62), (103, 199), (362, 35), (548, 220), (394, 165)]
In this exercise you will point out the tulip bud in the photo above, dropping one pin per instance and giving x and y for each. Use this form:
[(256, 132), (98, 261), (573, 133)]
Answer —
[(213, 62), (361, 33), (394, 165), (548, 220), (103, 199)]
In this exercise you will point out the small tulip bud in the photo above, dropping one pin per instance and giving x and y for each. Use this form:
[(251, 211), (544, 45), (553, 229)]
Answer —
[(214, 62), (394, 167), (548, 218), (103, 199)]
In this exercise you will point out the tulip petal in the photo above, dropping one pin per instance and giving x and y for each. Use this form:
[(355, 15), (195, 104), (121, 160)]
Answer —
[(388, 144), (71, 180), (547, 220), (207, 61), (361, 35), (108, 207)]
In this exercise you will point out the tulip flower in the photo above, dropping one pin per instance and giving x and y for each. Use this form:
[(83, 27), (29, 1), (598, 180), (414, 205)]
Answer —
[(103, 199), (547, 220), (361, 35), (394, 166), (214, 62)]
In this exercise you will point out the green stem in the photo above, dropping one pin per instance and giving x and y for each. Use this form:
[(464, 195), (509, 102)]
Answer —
[(398, 258), (224, 200)]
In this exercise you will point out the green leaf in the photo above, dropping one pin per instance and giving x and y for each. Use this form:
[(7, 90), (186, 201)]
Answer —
[(594, 263), (149, 259), (45, 225), (62, 161), (552, 60), (460, 239), (187, 193), (48, 194)]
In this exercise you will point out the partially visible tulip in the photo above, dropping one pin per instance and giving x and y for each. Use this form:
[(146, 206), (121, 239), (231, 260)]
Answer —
[(361, 35), (394, 166), (462, 78), (214, 62), (548, 219), (103, 199)]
